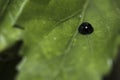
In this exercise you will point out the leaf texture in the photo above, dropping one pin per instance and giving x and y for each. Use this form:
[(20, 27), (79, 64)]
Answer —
[(55, 50), (9, 13)]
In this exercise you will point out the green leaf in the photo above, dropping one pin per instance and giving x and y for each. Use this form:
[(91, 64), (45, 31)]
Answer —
[(117, 4), (55, 50), (9, 13), (3, 5)]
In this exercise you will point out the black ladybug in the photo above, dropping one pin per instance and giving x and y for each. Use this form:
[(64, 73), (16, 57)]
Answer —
[(85, 28)]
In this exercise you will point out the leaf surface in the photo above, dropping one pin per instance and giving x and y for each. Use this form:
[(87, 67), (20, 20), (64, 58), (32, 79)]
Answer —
[(55, 50), (9, 13)]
